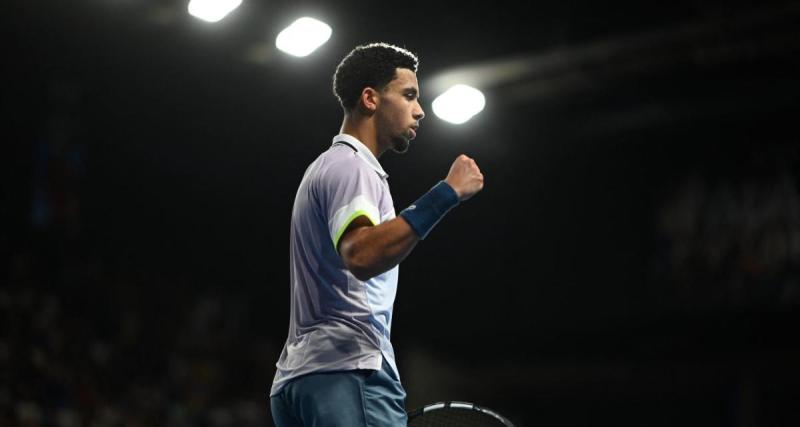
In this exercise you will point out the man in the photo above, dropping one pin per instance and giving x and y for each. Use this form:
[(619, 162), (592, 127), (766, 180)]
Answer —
[(338, 367)]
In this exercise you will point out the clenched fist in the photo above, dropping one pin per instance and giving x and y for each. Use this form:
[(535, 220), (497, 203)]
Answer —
[(465, 177)]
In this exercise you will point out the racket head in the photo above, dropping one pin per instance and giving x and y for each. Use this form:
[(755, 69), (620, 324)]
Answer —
[(456, 414)]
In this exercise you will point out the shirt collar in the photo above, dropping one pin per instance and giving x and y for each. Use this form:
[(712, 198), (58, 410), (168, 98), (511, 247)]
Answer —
[(362, 152)]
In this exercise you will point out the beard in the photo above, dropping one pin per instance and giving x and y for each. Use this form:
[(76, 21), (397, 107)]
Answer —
[(400, 144)]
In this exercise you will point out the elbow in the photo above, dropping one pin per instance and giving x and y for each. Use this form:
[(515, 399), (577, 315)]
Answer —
[(361, 274), (355, 262), (358, 268)]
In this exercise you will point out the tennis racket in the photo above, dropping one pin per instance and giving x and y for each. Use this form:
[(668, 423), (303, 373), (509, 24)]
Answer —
[(456, 414)]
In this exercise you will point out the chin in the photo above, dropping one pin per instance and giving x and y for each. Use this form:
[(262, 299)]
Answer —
[(400, 145)]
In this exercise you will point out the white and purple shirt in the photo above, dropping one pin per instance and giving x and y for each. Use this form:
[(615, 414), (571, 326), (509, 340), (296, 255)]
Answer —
[(337, 322)]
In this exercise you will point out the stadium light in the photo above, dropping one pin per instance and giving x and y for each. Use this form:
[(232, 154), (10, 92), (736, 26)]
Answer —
[(459, 104), (212, 10), (303, 36)]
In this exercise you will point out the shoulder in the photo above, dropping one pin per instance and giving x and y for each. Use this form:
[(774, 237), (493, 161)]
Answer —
[(342, 164)]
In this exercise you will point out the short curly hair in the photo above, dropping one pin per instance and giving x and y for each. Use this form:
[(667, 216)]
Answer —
[(372, 65)]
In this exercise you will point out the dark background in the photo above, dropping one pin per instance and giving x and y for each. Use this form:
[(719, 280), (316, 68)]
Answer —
[(634, 258)]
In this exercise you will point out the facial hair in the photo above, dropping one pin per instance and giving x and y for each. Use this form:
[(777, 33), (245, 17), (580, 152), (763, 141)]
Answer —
[(400, 144)]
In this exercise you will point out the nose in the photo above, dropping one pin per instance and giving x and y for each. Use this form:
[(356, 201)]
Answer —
[(419, 114)]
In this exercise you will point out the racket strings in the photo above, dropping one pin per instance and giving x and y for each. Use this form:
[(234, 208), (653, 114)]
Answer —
[(452, 417)]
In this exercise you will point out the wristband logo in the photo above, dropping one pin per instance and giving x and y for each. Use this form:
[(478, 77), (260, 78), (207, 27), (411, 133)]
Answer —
[(411, 208)]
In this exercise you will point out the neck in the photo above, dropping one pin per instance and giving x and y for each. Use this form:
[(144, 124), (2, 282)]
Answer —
[(363, 129)]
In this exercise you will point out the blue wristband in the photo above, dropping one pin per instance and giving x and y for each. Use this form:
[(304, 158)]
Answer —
[(429, 209)]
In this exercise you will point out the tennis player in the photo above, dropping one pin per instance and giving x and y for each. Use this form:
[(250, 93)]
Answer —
[(338, 367)]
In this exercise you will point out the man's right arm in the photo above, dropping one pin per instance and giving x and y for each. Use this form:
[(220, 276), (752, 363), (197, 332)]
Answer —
[(368, 250)]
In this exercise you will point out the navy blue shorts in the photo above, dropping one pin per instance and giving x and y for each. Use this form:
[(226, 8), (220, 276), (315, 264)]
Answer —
[(341, 399)]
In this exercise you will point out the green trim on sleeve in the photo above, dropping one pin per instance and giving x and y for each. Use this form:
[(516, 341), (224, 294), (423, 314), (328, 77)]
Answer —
[(346, 224)]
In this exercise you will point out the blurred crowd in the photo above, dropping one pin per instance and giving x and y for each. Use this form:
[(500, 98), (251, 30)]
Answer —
[(107, 349), (87, 339), (731, 238)]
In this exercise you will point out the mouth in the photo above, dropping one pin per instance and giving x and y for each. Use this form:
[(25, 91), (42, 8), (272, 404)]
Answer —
[(413, 131)]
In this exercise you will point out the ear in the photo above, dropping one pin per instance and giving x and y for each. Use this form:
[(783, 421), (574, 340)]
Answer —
[(370, 99)]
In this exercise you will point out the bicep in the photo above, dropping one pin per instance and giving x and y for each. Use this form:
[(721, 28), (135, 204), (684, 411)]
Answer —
[(348, 235), (368, 250)]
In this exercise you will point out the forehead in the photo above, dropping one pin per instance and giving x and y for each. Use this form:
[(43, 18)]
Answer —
[(404, 78)]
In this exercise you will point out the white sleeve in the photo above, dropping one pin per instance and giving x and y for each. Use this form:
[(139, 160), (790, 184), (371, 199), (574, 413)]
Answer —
[(352, 190)]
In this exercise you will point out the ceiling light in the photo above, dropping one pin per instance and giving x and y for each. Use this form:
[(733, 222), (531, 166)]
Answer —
[(303, 37), (212, 10), (459, 104)]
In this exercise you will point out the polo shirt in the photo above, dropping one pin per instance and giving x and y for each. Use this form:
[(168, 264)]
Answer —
[(337, 322)]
